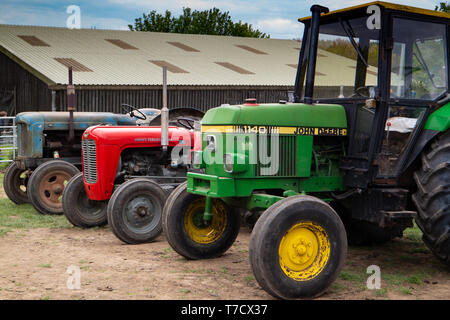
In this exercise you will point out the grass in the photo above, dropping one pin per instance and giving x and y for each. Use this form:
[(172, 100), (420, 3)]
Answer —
[(405, 264), (24, 216), (405, 291), (185, 291), (413, 234), (381, 292)]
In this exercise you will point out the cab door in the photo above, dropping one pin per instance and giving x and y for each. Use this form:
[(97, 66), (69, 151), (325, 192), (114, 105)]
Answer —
[(418, 76)]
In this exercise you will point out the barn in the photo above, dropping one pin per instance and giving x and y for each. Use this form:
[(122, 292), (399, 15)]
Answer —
[(111, 67)]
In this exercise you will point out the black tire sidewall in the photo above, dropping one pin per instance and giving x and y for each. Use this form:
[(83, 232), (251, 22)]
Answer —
[(431, 197), (119, 199), (12, 173), (175, 231), (274, 228), (71, 205)]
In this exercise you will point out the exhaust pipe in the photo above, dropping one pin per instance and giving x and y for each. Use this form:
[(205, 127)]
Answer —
[(164, 114), (316, 10), (71, 105)]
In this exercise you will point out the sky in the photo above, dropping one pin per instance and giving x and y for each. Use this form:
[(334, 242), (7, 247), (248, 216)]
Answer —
[(275, 17)]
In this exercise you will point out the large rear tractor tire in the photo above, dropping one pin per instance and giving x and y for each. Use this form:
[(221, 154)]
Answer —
[(135, 211), (432, 198), (47, 183), (79, 209), (297, 248), (189, 234), (15, 183)]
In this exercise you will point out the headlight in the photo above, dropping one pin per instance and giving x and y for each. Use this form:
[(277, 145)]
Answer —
[(228, 162), (197, 160), (235, 163), (211, 143)]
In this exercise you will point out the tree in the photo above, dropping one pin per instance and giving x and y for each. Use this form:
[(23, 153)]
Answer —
[(211, 21), (443, 6)]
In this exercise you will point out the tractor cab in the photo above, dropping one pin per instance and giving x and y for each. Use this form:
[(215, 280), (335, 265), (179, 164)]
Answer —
[(387, 64)]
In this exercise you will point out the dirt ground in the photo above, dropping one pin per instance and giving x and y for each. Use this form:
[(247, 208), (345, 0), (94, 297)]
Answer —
[(34, 265)]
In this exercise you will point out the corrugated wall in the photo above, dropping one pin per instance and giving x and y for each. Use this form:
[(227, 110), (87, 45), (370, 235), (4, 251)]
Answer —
[(31, 93), (203, 99)]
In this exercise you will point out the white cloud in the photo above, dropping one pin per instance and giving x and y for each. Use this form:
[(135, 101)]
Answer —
[(32, 16), (172, 5), (57, 18), (104, 23), (277, 25), (280, 28)]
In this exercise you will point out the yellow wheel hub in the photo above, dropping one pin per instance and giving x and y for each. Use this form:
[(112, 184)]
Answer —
[(304, 251), (201, 231)]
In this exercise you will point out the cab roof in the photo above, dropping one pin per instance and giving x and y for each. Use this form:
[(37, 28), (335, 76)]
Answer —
[(386, 5)]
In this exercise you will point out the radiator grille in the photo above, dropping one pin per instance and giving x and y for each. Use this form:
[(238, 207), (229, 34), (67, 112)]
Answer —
[(286, 158), (89, 160)]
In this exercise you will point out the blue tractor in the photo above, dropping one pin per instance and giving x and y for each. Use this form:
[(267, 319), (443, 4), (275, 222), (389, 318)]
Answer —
[(49, 152)]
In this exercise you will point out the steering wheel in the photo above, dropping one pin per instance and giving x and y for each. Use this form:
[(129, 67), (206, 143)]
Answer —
[(130, 110), (186, 122)]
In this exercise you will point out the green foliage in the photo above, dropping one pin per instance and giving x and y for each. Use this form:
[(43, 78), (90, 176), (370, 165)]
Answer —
[(345, 48), (443, 6), (212, 22)]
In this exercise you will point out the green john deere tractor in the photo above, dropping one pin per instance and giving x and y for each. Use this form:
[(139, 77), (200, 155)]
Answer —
[(362, 150)]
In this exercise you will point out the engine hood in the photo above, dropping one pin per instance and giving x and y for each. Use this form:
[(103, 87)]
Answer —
[(135, 136), (288, 115)]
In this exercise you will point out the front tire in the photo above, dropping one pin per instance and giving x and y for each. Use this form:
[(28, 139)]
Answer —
[(79, 209), (297, 248), (15, 183), (47, 183), (432, 198), (135, 211), (191, 236)]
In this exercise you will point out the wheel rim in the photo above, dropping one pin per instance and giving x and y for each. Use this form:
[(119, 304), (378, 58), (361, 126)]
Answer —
[(304, 251), (201, 231), (141, 214), (20, 181), (51, 188)]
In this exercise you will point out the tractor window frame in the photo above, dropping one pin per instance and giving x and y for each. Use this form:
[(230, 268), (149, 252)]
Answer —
[(413, 17), (426, 104)]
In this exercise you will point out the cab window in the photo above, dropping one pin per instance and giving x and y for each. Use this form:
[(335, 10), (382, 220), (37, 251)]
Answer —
[(419, 66)]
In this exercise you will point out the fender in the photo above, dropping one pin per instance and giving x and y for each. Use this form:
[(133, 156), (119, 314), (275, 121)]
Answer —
[(440, 119), (437, 122)]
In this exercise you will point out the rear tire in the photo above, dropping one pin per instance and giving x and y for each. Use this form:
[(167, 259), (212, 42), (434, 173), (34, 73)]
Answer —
[(187, 232), (297, 248), (47, 183), (79, 209), (432, 198), (15, 183), (135, 210)]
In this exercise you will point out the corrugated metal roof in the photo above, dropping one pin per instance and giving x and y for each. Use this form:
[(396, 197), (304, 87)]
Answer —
[(202, 58)]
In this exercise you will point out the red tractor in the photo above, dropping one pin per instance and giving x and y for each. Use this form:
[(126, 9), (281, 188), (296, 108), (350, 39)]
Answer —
[(127, 174)]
